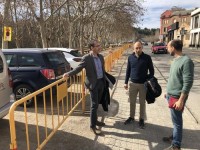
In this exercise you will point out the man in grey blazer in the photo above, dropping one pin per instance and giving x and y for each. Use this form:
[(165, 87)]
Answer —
[(94, 81)]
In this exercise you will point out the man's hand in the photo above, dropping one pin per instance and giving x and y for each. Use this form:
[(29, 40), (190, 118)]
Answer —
[(65, 75), (126, 86), (179, 105)]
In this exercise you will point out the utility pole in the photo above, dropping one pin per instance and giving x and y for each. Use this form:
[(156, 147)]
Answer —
[(5, 22)]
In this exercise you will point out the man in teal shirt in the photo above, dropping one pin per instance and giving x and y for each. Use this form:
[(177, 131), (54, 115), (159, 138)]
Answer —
[(179, 84)]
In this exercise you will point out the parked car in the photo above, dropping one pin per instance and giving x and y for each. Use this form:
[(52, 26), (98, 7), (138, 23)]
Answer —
[(159, 47), (72, 55), (144, 43), (7, 97), (33, 69)]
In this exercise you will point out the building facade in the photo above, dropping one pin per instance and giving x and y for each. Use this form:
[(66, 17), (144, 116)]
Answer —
[(165, 22), (175, 24), (195, 28)]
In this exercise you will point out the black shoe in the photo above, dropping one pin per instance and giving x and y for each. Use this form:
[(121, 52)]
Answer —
[(172, 147), (101, 124), (141, 123), (129, 120), (95, 130), (168, 139)]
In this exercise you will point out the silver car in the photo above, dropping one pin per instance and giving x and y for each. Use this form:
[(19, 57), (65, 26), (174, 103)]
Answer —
[(7, 97)]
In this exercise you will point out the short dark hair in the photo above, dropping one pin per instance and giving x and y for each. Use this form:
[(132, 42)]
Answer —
[(177, 44), (91, 43), (138, 41)]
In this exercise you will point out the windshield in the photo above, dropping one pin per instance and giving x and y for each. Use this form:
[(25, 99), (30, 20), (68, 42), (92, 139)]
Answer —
[(75, 53), (56, 58), (159, 44)]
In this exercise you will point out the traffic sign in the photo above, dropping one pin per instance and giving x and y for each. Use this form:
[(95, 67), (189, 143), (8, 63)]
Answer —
[(7, 33)]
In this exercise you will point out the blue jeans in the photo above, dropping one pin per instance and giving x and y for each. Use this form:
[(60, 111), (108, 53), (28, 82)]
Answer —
[(177, 121)]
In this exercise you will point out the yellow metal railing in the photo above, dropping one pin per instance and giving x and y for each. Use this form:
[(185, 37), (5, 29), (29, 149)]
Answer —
[(50, 110), (48, 115)]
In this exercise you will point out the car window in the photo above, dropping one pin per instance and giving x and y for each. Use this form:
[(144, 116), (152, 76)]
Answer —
[(28, 60), (11, 60), (75, 53), (68, 55), (1, 65), (159, 44), (56, 58)]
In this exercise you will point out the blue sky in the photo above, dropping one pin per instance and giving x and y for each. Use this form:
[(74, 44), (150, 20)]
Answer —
[(155, 8)]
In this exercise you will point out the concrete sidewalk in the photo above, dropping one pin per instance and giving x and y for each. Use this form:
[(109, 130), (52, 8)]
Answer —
[(75, 134)]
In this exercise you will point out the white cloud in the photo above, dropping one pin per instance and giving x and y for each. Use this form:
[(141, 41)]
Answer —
[(155, 8)]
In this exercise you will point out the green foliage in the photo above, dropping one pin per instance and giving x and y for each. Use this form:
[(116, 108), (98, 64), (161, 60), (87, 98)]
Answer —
[(146, 31)]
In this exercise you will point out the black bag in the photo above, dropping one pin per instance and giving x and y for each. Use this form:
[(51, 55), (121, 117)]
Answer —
[(111, 78), (153, 89)]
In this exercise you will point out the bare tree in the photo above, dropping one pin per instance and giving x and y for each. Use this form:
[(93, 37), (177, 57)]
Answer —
[(6, 17), (72, 23), (40, 19)]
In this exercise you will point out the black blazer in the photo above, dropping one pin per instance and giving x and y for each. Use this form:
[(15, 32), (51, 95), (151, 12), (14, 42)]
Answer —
[(91, 74), (111, 78), (153, 89), (105, 100)]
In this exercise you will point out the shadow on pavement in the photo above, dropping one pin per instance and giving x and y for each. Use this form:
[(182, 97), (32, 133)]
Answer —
[(61, 140), (153, 134), (69, 141)]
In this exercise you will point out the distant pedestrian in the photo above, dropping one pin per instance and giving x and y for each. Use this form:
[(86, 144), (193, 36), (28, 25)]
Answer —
[(95, 80), (178, 87), (138, 66)]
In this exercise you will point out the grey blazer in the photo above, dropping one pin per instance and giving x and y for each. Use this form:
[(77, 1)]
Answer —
[(91, 74)]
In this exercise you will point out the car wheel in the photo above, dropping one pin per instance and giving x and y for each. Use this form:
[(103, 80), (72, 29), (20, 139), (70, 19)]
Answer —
[(22, 91)]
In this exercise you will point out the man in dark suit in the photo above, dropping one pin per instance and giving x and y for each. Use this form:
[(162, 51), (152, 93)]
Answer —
[(94, 81)]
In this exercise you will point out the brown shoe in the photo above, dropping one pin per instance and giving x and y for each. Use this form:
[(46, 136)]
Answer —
[(95, 130), (173, 148), (101, 124), (168, 139)]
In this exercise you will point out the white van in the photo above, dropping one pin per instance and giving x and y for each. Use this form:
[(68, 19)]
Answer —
[(7, 97)]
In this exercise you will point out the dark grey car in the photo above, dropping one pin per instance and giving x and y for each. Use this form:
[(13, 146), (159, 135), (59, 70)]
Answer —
[(34, 68)]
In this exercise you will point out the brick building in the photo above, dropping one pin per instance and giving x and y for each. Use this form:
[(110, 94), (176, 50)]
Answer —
[(165, 22), (175, 24)]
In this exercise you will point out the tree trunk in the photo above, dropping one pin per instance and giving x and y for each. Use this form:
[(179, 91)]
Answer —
[(5, 22), (81, 27), (16, 26), (70, 34), (81, 35), (41, 23), (43, 33), (42, 27)]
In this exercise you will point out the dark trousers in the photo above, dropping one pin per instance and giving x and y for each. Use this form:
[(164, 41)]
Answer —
[(95, 97)]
